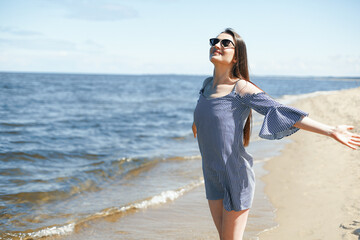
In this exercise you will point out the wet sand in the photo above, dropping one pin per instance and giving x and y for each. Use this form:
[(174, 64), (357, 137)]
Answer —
[(186, 218), (314, 183)]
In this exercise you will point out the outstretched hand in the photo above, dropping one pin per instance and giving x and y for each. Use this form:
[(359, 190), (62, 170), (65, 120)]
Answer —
[(194, 130), (342, 135)]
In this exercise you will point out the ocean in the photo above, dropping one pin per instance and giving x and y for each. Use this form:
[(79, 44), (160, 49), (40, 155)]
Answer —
[(79, 147)]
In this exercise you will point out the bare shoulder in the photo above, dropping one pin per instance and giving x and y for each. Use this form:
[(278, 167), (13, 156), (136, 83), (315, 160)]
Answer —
[(206, 81), (244, 87)]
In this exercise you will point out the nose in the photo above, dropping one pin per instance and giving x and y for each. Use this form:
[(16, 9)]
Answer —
[(217, 45)]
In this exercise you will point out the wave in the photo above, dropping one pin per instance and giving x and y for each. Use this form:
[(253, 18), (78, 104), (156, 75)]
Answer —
[(121, 211), (46, 232), (92, 178), (39, 198), (7, 124), (62, 187), (161, 198), (33, 156), (11, 156)]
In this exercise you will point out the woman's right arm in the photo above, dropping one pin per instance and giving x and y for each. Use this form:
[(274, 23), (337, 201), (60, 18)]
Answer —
[(194, 129)]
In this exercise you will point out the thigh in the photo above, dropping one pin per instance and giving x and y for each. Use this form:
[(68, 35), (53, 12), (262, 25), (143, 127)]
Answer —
[(233, 224), (216, 209)]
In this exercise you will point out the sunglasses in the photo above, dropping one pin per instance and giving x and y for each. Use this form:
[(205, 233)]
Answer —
[(223, 42)]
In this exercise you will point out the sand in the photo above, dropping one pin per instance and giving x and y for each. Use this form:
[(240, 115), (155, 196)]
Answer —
[(186, 218), (314, 183)]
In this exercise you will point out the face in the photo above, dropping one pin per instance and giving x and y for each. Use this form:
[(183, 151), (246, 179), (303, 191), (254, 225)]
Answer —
[(223, 55)]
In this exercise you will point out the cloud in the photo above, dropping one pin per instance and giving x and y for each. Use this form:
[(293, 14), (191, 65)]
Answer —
[(18, 32)]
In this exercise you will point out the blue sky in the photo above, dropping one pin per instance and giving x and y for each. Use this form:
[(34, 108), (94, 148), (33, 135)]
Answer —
[(302, 38)]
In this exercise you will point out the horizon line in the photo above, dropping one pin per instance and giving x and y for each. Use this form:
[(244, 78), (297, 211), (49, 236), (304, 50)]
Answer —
[(176, 74)]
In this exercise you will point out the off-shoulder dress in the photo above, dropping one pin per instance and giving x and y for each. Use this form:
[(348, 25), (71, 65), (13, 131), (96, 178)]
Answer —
[(227, 166)]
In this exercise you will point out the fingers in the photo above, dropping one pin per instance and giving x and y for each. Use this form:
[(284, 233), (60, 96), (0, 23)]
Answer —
[(354, 142), (349, 145), (356, 136), (355, 139), (352, 147), (350, 141)]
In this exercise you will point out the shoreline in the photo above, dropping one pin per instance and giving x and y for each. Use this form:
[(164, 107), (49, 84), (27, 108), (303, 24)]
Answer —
[(312, 183), (190, 213), (188, 217)]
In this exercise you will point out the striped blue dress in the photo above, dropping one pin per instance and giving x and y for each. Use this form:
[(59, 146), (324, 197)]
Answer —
[(227, 167)]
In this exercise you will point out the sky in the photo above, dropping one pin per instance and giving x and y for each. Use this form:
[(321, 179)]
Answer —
[(298, 38)]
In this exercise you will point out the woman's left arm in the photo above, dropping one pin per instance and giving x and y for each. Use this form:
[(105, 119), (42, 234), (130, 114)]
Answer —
[(340, 133)]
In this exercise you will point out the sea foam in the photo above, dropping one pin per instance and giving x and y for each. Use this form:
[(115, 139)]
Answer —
[(49, 231), (163, 197)]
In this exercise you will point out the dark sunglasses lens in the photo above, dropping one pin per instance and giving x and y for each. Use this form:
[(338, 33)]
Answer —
[(225, 42), (214, 41)]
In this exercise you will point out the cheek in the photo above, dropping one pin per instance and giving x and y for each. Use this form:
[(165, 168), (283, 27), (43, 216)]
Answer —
[(230, 56)]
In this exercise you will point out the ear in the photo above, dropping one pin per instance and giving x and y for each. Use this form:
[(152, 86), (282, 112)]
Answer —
[(234, 60)]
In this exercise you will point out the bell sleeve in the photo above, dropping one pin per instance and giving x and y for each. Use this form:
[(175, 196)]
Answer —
[(279, 119)]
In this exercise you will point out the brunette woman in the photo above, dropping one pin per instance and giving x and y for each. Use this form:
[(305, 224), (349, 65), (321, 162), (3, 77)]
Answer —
[(222, 125)]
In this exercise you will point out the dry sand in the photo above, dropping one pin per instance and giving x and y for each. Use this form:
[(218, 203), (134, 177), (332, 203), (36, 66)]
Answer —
[(315, 183)]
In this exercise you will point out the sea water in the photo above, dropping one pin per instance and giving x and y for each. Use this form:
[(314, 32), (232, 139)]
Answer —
[(78, 147)]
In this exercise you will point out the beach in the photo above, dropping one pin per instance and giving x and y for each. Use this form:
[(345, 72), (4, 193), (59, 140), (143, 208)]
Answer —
[(314, 183), (123, 164)]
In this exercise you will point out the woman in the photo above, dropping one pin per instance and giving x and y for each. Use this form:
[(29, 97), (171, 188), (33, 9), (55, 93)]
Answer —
[(222, 125)]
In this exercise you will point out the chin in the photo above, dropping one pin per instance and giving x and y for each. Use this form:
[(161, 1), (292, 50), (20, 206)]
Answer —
[(215, 60)]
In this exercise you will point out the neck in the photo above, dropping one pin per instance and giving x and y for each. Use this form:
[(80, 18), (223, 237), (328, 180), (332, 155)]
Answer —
[(222, 76)]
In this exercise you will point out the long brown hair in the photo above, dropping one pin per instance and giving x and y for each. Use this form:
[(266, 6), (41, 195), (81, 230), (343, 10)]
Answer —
[(240, 70)]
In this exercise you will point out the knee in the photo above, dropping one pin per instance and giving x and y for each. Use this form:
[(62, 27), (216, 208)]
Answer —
[(233, 224)]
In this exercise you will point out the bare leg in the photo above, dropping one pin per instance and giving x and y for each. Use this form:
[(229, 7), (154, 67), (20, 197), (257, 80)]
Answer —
[(230, 225), (233, 224), (216, 209)]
